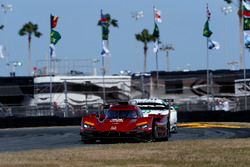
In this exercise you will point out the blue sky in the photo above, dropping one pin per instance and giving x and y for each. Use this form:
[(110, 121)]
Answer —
[(81, 37)]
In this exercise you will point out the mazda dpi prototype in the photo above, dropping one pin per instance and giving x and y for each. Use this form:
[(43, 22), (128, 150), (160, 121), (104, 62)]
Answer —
[(124, 122)]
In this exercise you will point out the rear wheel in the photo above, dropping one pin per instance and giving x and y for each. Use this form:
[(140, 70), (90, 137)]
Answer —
[(174, 129)]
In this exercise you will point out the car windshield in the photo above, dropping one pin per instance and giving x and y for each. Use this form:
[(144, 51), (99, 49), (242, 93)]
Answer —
[(122, 114)]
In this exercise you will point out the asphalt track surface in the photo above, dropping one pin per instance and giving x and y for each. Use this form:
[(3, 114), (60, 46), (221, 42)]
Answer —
[(23, 139)]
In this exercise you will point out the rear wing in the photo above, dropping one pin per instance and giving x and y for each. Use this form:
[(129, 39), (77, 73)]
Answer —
[(104, 107), (168, 100)]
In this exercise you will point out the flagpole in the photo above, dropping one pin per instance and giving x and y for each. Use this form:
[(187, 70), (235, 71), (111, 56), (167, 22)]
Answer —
[(207, 34), (156, 53), (243, 63), (208, 82), (103, 83), (242, 57), (157, 72), (50, 81), (245, 84), (103, 73)]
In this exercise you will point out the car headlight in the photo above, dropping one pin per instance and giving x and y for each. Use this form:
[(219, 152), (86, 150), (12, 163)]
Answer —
[(88, 125), (142, 125)]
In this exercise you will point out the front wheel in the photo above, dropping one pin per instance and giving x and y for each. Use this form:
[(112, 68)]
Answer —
[(168, 132), (88, 141), (150, 137)]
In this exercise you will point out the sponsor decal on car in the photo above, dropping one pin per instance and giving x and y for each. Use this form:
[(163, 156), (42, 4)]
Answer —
[(116, 120), (113, 128)]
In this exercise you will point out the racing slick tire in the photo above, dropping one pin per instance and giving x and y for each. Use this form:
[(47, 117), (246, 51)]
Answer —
[(174, 130), (151, 137), (86, 141), (168, 132), (161, 139)]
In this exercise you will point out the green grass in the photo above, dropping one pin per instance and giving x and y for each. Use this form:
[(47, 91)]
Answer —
[(208, 153)]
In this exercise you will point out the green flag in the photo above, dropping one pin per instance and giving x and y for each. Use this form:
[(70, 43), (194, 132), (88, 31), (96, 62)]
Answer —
[(246, 23), (156, 32), (105, 32), (54, 37), (206, 31)]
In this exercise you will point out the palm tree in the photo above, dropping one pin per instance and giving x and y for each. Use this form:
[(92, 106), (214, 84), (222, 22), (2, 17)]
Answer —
[(29, 29), (145, 37)]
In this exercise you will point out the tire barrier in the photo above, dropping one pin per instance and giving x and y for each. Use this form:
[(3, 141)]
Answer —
[(19, 122), (183, 116), (214, 116)]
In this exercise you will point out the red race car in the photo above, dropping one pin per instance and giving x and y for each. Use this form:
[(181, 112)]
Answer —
[(124, 122)]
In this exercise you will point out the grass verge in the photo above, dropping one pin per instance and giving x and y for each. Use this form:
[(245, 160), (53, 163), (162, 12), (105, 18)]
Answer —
[(229, 152)]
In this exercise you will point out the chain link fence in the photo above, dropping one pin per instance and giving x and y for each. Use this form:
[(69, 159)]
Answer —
[(62, 111)]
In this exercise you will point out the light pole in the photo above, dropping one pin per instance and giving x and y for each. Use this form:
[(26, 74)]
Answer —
[(13, 65), (95, 61), (166, 48), (233, 65), (226, 10), (5, 8)]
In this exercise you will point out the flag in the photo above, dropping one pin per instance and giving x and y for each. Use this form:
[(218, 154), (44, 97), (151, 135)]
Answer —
[(137, 15), (157, 14), (52, 51), (1, 27), (104, 19), (206, 31), (246, 4), (156, 35), (247, 38), (156, 46), (53, 21), (246, 24), (2, 50), (105, 27), (246, 8), (156, 32), (54, 37), (213, 45), (105, 32), (105, 49)]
